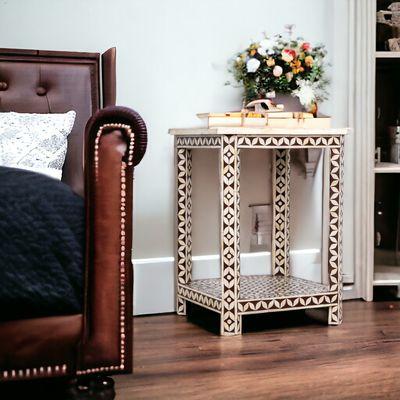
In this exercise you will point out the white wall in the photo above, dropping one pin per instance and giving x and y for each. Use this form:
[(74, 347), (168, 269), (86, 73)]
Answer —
[(171, 64)]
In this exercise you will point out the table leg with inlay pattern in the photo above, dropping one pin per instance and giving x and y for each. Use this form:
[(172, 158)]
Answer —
[(232, 295)]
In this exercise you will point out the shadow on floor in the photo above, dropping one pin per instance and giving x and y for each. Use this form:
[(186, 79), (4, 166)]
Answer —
[(52, 389), (386, 293), (210, 320)]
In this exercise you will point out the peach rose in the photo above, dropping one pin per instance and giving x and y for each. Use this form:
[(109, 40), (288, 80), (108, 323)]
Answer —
[(288, 55), (277, 71)]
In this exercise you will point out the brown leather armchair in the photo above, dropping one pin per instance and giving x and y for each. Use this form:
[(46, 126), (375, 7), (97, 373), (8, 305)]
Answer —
[(100, 339)]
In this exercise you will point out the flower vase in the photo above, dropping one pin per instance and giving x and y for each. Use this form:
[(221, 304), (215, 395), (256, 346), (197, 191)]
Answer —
[(290, 102), (313, 109)]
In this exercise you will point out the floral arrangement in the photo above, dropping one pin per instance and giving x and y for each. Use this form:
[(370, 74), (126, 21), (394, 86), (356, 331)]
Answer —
[(284, 65)]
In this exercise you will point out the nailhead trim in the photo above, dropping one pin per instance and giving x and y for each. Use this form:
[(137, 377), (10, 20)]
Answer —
[(43, 371), (50, 370), (122, 239), (131, 149)]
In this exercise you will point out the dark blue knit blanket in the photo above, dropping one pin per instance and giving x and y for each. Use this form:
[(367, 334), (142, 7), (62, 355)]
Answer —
[(42, 231)]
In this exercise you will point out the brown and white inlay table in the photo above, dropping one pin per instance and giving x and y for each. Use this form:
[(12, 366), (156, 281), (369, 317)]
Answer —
[(233, 295)]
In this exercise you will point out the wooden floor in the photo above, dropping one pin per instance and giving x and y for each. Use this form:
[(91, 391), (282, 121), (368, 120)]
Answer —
[(280, 356), (286, 356)]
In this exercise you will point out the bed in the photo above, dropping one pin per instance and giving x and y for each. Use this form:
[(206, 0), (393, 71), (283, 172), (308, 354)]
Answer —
[(105, 145)]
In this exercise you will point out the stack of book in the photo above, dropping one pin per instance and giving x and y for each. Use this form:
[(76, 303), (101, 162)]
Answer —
[(272, 119)]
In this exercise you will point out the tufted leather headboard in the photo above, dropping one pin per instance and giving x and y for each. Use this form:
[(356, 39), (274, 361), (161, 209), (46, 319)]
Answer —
[(36, 81)]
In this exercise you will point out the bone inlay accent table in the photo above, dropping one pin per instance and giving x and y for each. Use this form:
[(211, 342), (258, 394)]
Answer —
[(233, 295)]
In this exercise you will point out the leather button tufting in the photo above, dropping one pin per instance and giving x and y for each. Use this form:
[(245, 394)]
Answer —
[(3, 86), (41, 91)]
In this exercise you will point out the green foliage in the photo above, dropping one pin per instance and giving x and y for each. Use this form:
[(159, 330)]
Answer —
[(284, 63)]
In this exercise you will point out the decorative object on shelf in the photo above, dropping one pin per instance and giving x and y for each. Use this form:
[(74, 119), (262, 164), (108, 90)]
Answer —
[(233, 295), (263, 106), (394, 44), (279, 65), (261, 227), (388, 28), (394, 134), (379, 213), (395, 7), (378, 155)]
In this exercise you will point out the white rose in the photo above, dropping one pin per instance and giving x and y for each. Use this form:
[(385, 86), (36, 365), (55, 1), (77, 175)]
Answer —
[(289, 76), (305, 92), (267, 44), (277, 71), (306, 95), (262, 51), (266, 47), (252, 65)]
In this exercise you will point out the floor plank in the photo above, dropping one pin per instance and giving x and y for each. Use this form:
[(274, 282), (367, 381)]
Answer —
[(281, 356)]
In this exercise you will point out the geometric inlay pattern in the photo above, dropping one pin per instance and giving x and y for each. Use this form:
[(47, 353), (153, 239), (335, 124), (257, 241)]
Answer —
[(230, 320), (281, 207), (247, 141), (293, 141), (204, 299), (262, 287), (184, 221), (260, 293), (287, 303), (201, 141), (340, 273), (232, 295), (335, 225)]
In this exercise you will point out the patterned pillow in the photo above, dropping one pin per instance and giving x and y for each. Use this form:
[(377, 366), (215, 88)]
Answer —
[(37, 142)]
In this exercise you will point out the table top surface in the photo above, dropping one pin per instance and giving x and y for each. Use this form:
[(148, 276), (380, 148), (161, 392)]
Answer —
[(257, 131)]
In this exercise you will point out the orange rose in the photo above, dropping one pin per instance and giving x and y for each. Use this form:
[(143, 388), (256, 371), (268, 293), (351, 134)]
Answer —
[(296, 66), (270, 62), (309, 61)]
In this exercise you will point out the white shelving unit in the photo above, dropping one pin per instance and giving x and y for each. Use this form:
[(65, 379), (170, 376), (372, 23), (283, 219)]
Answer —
[(387, 54), (378, 70), (386, 271), (387, 168), (386, 275)]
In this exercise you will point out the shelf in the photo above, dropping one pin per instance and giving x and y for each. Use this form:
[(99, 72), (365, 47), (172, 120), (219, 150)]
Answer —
[(386, 168), (253, 287), (261, 294), (387, 54), (386, 275)]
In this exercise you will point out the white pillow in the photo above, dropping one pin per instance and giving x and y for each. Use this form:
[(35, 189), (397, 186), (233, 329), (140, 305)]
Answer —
[(37, 142)]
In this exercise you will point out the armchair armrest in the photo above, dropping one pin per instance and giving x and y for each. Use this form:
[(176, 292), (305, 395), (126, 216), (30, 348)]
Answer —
[(115, 141)]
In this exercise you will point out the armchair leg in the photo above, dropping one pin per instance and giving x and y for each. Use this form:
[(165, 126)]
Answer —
[(91, 387)]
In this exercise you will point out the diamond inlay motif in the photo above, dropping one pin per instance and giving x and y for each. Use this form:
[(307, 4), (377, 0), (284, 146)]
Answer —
[(263, 287), (232, 295)]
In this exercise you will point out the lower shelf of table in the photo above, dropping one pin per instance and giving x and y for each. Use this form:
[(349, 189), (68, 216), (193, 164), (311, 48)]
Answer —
[(261, 293)]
